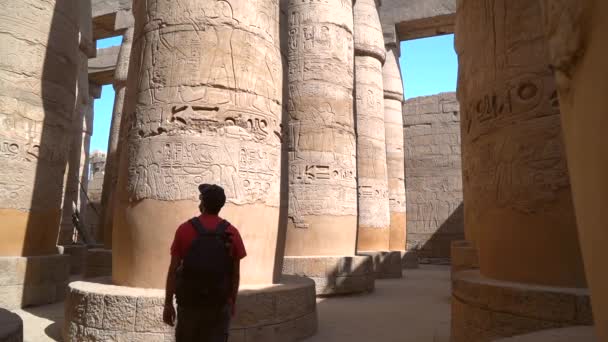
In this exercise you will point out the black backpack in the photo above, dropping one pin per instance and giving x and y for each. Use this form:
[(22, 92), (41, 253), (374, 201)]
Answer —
[(204, 278)]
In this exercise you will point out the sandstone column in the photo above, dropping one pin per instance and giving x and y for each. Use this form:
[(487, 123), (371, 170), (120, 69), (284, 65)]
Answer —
[(576, 33), (203, 105), (76, 179), (515, 179), (111, 176), (372, 182), (395, 160), (322, 226), (38, 73)]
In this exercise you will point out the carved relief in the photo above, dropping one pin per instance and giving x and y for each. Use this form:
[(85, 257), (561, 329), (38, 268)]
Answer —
[(209, 101), (371, 145), (322, 166)]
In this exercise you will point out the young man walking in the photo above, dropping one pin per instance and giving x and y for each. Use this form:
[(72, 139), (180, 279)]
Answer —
[(204, 272)]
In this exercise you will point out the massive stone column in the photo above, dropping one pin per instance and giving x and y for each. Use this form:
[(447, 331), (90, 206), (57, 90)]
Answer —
[(515, 178), (576, 33), (112, 161), (395, 159), (38, 73), (322, 226), (204, 105), (372, 180), (76, 179)]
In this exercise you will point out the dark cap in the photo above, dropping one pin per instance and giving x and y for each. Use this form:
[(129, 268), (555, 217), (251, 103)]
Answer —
[(213, 197)]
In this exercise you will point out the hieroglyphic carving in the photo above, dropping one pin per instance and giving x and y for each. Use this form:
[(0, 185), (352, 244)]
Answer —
[(371, 144), (209, 101), (322, 166), (514, 167), (433, 173)]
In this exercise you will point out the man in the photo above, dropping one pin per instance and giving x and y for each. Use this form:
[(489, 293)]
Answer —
[(203, 322)]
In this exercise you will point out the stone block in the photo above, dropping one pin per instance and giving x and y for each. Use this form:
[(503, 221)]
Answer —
[(282, 312), (31, 281), (577, 333), (385, 264), (77, 255), (484, 309), (149, 315), (337, 274), (119, 313)]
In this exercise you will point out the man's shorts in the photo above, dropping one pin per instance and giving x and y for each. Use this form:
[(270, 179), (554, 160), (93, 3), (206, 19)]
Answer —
[(202, 324)]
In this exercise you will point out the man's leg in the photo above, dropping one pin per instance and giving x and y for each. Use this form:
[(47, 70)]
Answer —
[(188, 327), (219, 331)]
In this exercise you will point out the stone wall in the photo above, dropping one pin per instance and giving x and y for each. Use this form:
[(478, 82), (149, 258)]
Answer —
[(433, 181)]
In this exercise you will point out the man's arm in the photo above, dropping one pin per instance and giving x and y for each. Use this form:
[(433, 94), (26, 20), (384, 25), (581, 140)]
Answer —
[(236, 278), (169, 312)]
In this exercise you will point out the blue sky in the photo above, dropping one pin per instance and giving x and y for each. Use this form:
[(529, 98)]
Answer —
[(428, 66)]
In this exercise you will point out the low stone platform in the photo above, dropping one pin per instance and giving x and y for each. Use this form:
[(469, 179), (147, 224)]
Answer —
[(485, 309), (11, 327), (97, 311), (386, 264), (31, 281), (409, 259), (463, 256), (98, 263), (333, 275), (77, 254), (578, 334)]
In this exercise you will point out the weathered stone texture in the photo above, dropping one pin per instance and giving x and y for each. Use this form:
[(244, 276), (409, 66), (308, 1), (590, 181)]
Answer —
[(110, 180), (576, 37), (484, 309), (463, 256), (374, 215), (418, 18), (515, 175), (96, 311), (207, 103), (336, 275), (97, 162), (98, 263), (78, 160), (38, 73), (578, 333), (78, 256), (395, 162), (30, 281), (385, 264), (368, 31), (321, 134), (11, 327), (431, 130)]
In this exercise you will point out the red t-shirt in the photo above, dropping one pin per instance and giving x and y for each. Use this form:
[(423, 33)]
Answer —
[(186, 233)]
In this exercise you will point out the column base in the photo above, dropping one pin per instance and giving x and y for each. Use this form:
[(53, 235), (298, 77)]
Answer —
[(333, 275), (77, 254), (485, 309), (386, 264), (33, 280), (578, 334), (409, 259), (99, 311), (98, 263), (11, 327), (463, 256)]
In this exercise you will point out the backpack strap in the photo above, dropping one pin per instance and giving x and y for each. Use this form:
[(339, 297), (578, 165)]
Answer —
[(222, 227), (198, 226)]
